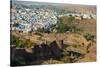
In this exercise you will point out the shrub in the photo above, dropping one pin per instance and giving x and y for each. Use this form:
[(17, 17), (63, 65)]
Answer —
[(20, 43), (89, 37)]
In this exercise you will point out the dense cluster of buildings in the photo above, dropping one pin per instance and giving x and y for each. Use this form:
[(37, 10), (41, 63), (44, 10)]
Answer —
[(25, 19), (80, 16)]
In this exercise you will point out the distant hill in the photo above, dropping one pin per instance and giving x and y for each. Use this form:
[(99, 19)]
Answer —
[(59, 6)]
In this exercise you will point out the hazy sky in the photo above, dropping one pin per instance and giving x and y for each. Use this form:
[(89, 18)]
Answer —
[(84, 2), (37, 2)]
